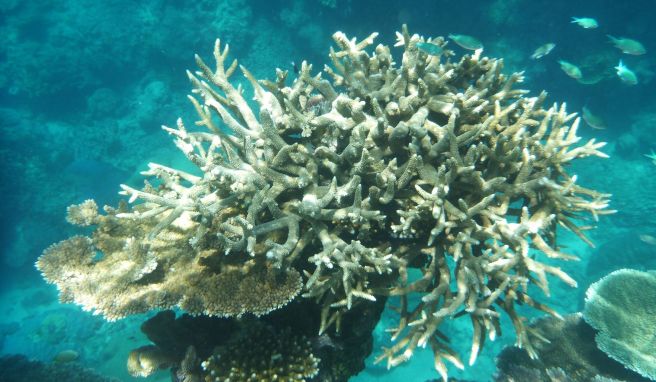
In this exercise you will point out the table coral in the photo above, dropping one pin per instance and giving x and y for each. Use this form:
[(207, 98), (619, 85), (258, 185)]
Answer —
[(621, 307), (339, 184), (569, 348)]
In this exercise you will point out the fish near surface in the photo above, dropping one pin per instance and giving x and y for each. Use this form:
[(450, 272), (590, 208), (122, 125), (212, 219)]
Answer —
[(543, 50), (625, 74), (570, 69), (628, 46), (585, 22), (466, 42)]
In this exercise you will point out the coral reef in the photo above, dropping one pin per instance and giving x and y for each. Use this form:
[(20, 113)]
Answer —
[(262, 354), (17, 368), (338, 189), (622, 307), (133, 277), (566, 353), (188, 342)]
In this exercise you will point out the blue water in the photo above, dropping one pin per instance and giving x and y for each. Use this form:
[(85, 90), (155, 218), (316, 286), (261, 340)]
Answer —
[(86, 84)]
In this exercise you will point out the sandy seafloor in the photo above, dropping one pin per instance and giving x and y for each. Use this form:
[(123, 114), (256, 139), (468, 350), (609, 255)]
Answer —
[(85, 86)]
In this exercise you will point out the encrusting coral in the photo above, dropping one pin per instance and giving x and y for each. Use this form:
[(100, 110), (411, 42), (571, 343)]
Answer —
[(336, 188)]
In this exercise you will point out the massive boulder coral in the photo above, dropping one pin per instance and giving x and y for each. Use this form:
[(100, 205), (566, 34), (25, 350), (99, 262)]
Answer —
[(335, 186)]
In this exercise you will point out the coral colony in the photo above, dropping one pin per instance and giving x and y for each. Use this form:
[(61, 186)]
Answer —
[(431, 180)]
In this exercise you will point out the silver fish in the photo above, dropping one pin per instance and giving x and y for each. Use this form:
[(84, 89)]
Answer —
[(570, 69), (626, 75), (594, 121), (467, 42), (543, 50), (628, 46), (585, 22), (652, 156), (431, 49), (648, 239)]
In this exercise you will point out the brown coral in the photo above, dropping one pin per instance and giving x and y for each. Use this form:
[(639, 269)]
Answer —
[(146, 360), (260, 354)]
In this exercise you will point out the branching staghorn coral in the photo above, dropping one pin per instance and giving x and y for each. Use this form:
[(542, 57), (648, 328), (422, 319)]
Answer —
[(340, 186)]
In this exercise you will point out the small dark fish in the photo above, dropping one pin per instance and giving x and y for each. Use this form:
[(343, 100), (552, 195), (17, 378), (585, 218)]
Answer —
[(429, 48), (295, 67), (66, 356), (325, 340)]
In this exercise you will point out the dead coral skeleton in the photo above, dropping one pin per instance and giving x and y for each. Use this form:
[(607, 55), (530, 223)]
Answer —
[(351, 180)]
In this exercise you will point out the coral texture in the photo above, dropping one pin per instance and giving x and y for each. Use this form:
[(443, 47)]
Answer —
[(261, 354), (339, 184), (18, 368), (188, 341), (569, 354), (622, 307)]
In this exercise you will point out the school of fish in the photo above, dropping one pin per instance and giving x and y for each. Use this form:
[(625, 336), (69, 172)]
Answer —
[(624, 44), (625, 74)]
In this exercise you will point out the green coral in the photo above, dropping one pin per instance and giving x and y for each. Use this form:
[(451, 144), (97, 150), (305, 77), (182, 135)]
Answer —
[(341, 186)]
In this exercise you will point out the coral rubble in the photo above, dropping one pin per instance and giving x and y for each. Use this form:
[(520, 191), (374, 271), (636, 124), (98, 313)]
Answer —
[(336, 186)]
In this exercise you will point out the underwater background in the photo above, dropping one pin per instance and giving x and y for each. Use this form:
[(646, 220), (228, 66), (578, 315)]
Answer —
[(85, 86)]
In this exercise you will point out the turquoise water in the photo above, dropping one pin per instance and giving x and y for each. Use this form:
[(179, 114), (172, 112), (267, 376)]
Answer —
[(85, 86)]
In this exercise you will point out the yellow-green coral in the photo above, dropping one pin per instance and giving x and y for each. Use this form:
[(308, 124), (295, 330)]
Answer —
[(352, 180)]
